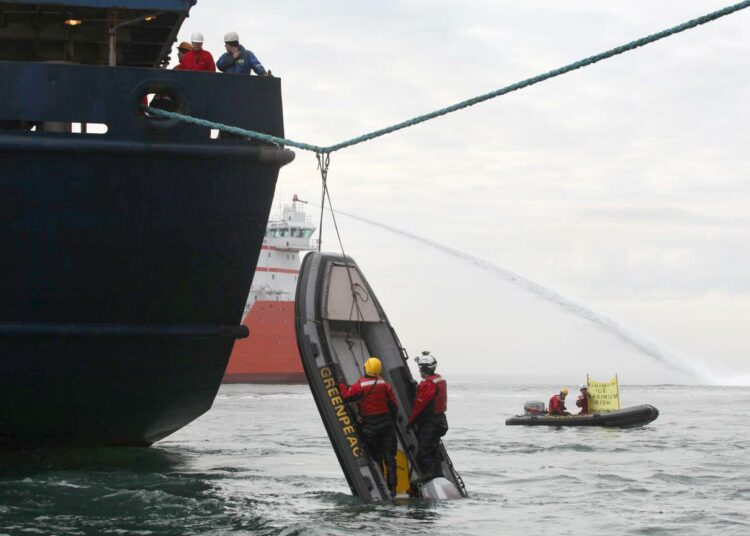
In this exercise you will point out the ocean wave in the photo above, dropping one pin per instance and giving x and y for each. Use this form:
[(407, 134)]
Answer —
[(560, 480), (273, 396), (635, 489), (576, 447), (742, 493), (686, 479), (614, 477)]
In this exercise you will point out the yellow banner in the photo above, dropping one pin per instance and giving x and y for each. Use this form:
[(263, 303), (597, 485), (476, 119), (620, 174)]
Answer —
[(603, 396)]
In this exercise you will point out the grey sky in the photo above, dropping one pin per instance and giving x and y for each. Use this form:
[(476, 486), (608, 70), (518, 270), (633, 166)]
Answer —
[(623, 186)]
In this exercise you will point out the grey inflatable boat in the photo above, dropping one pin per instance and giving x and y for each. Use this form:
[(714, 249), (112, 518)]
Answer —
[(632, 417), (340, 324)]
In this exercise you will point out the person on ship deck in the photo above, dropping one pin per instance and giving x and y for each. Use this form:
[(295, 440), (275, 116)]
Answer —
[(377, 407), (237, 59), (182, 49), (197, 59)]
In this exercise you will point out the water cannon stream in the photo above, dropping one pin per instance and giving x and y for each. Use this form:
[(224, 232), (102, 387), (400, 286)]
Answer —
[(680, 364)]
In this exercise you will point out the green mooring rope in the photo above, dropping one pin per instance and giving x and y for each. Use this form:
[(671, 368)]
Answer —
[(463, 104)]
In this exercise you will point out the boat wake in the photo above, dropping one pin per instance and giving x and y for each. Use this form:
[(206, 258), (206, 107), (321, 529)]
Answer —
[(680, 364)]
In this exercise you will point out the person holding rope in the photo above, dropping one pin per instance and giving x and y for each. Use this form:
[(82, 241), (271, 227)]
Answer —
[(376, 405)]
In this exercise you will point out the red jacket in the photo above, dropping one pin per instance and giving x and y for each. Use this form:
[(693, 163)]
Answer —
[(556, 405), (433, 390), (375, 395), (197, 60), (583, 403)]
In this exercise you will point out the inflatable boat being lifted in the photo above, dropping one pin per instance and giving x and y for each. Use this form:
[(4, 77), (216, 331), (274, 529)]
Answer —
[(339, 325), (632, 417)]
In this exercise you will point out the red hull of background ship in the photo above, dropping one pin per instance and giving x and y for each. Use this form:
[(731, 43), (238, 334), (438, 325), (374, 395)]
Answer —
[(270, 354)]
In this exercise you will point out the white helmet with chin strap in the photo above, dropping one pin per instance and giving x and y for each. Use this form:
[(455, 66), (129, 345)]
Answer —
[(426, 362)]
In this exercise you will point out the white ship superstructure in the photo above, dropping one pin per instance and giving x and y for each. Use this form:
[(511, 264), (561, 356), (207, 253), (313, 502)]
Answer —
[(270, 354), (278, 265)]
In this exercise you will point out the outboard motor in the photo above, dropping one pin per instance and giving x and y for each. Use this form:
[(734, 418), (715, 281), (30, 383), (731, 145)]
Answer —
[(534, 408), (439, 488)]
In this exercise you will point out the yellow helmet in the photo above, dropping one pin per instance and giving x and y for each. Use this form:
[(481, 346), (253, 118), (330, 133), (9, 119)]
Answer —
[(373, 367), (564, 391)]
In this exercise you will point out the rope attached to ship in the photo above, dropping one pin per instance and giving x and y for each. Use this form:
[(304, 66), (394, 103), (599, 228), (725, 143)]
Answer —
[(463, 104), (323, 153)]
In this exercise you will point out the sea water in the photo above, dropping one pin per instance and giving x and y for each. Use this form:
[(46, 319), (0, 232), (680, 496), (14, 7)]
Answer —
[(259, 462)]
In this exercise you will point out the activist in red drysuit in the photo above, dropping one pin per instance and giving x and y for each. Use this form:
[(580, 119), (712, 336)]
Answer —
[(583, 400), (433, 392), (376, 405), (557, 403), (428, 413)]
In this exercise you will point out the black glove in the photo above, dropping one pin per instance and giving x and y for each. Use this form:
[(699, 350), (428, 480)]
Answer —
[(338, 373)]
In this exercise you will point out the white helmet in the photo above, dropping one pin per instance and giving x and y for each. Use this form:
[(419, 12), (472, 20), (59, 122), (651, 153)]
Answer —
[(584, 386), (426, 362), (196, 37), (230, 37)]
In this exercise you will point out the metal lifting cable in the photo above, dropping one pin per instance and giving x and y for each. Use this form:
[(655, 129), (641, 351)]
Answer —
[(463, 104), (355, 301), (323, 162)]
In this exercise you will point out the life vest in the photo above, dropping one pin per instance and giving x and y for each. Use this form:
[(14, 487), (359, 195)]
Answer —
[(556, 405), (583, 403), (439, 402), (374, 396), (431, 399)]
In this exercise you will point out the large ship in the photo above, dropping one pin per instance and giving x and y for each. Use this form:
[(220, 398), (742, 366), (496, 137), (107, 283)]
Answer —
[(270, 353), (128, 241)]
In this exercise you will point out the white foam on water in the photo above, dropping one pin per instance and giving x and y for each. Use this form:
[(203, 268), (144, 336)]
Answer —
[(681, 364)]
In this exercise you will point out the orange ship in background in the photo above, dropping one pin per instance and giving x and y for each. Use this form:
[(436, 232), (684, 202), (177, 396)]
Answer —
[(270, 354)]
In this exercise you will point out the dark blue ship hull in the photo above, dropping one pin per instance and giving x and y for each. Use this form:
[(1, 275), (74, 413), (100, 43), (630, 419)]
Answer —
[(127, 257)]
